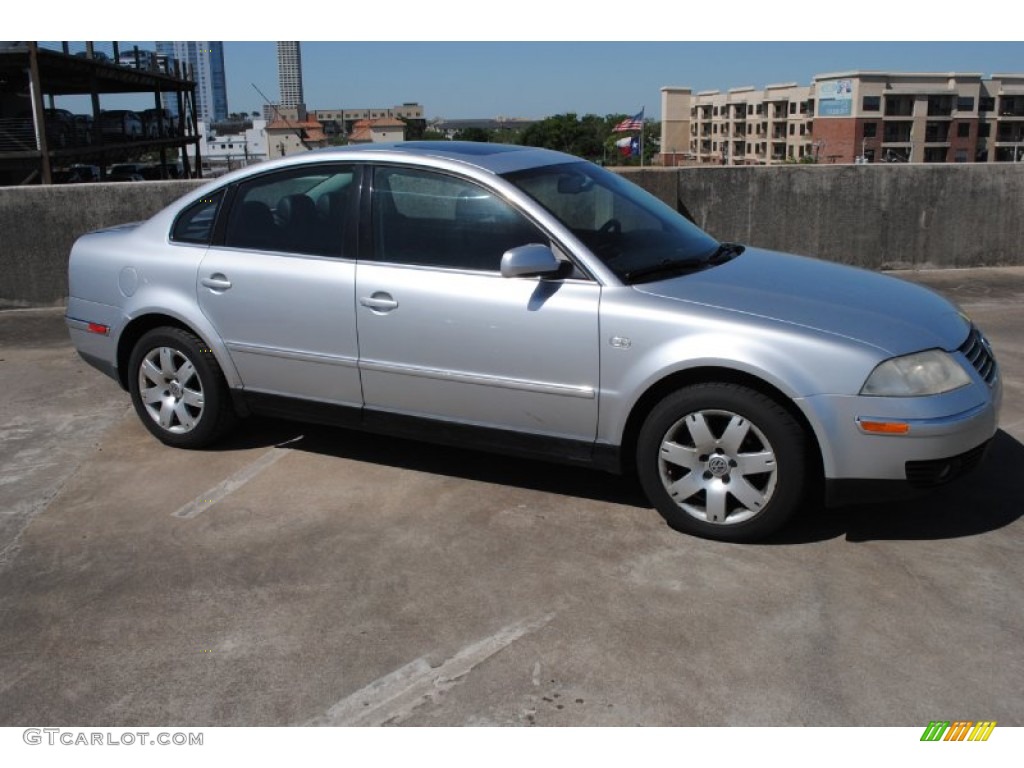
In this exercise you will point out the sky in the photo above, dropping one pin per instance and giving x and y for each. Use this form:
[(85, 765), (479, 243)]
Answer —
[(536, 79), (542, 58)]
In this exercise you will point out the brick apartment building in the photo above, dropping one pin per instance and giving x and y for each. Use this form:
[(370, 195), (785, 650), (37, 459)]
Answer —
[(849, 117)]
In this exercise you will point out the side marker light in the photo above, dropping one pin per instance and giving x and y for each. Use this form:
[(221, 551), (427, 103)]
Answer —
[(884, 427)]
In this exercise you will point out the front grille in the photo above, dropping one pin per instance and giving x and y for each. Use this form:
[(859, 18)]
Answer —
[(977, 350), (938, 471)]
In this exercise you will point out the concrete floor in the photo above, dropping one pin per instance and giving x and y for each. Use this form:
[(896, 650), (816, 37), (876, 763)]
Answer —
[(349, 579)]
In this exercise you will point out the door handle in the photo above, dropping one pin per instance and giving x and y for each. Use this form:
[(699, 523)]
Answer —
[(379, 302), (216, 282)]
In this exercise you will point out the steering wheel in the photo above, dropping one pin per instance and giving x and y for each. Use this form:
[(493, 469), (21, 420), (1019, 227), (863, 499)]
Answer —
[(610, 227)]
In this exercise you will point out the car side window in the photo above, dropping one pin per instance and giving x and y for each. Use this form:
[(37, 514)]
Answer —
[(432, 219), (195, 223), (301, 211)]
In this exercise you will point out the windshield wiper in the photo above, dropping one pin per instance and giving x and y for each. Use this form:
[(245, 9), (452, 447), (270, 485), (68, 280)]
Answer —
[(723, 253), (665, 266)]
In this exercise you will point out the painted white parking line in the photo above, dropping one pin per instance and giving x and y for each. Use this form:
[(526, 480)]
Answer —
[(392, 698), (230, 485)]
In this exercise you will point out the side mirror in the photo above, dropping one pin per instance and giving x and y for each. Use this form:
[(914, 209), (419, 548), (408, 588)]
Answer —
[(530, 261)]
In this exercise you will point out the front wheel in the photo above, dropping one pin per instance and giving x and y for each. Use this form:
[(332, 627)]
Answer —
[(722, 461), (178, 389)]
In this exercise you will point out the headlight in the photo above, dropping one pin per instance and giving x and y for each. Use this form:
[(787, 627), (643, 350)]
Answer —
[(922, 373)]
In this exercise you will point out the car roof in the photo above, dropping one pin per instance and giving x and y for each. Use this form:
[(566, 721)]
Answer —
[(492, 158), (496, 158)]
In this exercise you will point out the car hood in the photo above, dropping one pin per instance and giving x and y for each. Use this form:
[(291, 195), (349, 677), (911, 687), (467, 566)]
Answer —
[(891, 314)]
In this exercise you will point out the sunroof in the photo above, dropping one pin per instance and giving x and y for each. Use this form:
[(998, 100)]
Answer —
[(473, 148)]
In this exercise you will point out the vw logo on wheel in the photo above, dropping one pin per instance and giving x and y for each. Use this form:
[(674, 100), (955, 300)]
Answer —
[(718, 466)]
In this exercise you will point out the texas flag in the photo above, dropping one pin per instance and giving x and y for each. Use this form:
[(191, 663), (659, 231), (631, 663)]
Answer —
[(630, 145)]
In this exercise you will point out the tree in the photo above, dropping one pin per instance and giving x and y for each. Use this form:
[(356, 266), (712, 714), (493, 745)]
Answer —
[(590, 137), (506, 133), (583, 137)]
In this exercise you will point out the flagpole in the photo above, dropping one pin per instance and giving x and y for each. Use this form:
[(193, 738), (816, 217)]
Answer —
[(628, 126), (642, 118)]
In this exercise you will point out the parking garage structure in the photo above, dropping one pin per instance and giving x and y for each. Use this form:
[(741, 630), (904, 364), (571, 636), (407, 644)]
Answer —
[(39, 143)]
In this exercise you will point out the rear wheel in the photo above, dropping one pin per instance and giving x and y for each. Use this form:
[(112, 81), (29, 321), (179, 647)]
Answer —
[(178, 389), (722, 461)]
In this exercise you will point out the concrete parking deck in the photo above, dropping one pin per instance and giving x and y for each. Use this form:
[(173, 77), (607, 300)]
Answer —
[(305, 575)]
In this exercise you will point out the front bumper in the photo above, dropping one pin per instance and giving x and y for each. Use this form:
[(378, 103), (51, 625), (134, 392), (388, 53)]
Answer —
[(940, 428), (921, 477)]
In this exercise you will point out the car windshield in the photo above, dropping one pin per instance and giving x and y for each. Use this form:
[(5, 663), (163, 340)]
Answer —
[(636, 235)]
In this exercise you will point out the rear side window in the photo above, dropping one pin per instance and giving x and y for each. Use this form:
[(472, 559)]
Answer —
[(305, 210), (195, 223)]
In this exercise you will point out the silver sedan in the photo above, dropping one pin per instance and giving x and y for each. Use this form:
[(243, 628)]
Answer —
[(524, 301)]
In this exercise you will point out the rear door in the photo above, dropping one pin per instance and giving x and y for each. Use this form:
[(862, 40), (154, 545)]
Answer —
[(280, 287)]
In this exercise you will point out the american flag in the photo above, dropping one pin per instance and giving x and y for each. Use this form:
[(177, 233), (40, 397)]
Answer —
[(634, 123)]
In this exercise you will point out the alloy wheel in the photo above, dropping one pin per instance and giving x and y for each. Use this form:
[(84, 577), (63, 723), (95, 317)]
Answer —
[(717, 466), (171, 390)]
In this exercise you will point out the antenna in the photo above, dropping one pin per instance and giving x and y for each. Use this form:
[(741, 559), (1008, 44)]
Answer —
[(267, 102)]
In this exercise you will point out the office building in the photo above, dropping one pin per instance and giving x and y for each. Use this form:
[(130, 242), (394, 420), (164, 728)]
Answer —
[(289, 74), (849, 117), (207, 61)]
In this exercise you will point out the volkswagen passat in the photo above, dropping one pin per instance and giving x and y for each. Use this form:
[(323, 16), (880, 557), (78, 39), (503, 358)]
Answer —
[(527, 302)]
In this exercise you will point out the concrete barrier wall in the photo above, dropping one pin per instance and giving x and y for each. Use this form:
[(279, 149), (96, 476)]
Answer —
[(875, 216), (38, 225)]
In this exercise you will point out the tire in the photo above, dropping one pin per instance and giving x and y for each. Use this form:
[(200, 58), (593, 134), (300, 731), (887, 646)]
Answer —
[(722, 461), (178, 389)]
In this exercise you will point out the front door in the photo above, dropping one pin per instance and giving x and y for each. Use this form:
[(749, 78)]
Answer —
[(442, 334)]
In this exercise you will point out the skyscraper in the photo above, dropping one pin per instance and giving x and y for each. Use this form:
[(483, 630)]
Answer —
[(207, 61), (289, 74)]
